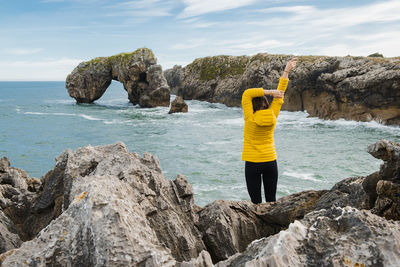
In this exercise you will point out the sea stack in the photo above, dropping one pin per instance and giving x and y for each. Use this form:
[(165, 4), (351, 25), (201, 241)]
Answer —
[(178, 105), (138, 71)]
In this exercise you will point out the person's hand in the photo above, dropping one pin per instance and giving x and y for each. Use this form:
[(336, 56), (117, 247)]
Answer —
[(291, 64), (277, 94)]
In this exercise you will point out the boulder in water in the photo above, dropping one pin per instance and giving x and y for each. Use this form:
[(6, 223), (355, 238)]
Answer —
[(178, 105)]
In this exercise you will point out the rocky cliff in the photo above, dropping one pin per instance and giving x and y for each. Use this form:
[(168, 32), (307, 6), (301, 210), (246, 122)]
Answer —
[(137, 71), (356, 88), (105, 206)]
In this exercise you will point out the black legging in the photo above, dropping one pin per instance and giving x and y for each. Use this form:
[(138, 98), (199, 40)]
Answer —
[(269, 173)]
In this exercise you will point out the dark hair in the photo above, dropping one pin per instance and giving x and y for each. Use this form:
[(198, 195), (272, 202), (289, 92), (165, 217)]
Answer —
[(260, 103)]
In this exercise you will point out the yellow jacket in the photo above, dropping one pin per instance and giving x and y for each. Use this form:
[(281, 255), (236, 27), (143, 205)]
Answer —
[(258, 145)]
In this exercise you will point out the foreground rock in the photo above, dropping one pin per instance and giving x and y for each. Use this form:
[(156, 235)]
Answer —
[(333, 237), (137, 71), (118, 209), (228, 227), (356, 88), (105, 206), (178, 105)]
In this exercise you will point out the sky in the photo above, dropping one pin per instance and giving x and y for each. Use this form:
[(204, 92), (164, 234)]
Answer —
[(43, 40)]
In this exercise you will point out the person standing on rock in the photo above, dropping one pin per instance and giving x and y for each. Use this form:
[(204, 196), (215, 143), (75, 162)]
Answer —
[(258, 146)]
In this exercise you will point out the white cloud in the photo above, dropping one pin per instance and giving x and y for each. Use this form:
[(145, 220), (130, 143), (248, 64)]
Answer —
[(143, 8), (201, 7), (189, 44), (334, 18), (23, 51), (359, 30), (45, 70)]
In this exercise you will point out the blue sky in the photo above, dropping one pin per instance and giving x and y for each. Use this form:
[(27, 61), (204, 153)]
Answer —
[(46, 39)]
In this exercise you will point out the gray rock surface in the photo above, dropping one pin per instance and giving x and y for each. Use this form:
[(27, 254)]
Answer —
[(174, 77), (333, 237), (229, 226), (105, 206), (18, 192), (137, 71), (356, 88), (117, 210)]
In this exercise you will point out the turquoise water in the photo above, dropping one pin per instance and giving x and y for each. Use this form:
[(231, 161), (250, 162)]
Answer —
[(38, 120)]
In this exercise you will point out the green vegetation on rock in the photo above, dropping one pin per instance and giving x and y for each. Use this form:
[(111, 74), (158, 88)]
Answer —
[(376, 55), (123, 58), (219, 66), (141, 54)]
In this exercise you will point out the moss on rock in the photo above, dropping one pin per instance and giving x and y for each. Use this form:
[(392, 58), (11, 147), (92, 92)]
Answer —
[(121, 58), (219, 67)]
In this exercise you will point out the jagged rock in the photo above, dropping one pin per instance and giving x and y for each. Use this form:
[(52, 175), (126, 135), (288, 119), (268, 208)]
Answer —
[(348, 192), (388, 201), (18, 193), (389, 152), (174, 77), (228, 227), (137, 71), (357, 88), (104, 206), (9, 238), (178, 105), (116, 209), (362, 192), (203, 260), (333, 237)]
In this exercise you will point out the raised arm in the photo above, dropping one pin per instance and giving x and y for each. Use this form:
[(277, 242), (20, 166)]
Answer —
[(247, 104), (283, 82)]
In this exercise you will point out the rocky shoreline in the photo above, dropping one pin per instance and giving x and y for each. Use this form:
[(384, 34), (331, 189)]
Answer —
[(106, 206), (354, 88)]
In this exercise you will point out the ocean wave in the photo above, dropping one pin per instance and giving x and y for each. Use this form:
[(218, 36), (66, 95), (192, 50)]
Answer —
[(116, 121), (301, 119), (302, 176), (87, 117), (59, 101), (235, 121)]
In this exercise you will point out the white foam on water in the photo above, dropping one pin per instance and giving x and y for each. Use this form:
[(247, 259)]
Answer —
[(91, 118), (59, 101), (236, 121), (302, 176), (116, 121), (87, 117), (218, 142), (301, 119)]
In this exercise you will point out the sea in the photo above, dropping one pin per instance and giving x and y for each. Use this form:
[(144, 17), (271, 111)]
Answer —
[(39, 120)]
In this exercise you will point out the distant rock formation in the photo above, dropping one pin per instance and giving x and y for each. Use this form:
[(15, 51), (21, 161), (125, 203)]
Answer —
[(174, 77), (105, 206), (137, 71), (356, 88), (178, 105)]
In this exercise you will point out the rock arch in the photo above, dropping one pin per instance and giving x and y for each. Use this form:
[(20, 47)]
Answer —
[(138, 71)]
